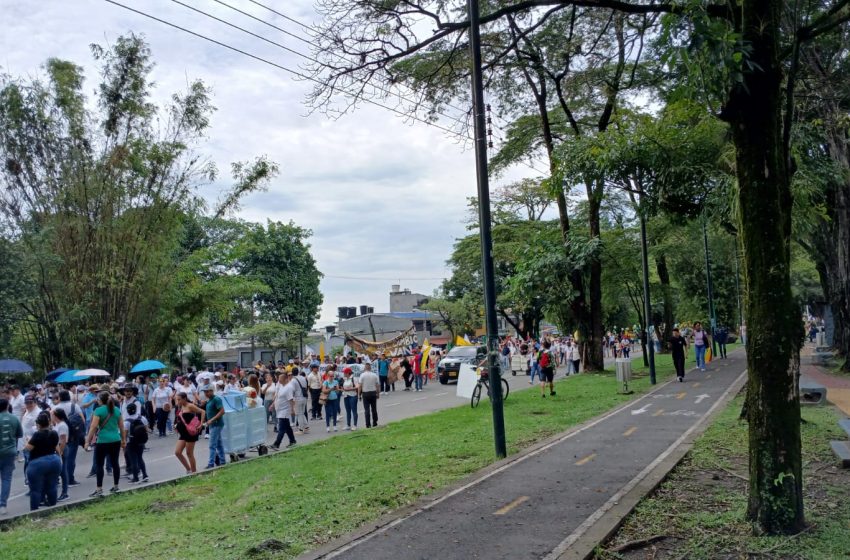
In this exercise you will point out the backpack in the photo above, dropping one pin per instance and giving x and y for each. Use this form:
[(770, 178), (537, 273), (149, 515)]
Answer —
[(138, 431), (545, 359), (302, 385), (77, 425)]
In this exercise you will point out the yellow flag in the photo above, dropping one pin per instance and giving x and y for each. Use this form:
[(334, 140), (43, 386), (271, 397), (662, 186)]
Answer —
[(708, 354), (426, 351), (321, 351), (462, 342)]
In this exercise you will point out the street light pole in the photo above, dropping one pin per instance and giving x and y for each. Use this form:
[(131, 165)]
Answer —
[(486, 235), (647, 301), (712, 317)]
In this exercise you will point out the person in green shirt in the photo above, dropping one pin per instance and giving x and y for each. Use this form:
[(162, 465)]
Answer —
[(215, 422), (10, 433), (108, 437)]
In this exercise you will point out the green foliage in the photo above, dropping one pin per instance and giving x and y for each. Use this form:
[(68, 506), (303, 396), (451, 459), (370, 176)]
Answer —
[(278, 256), (460, 316), (101, 205), (196, 357)]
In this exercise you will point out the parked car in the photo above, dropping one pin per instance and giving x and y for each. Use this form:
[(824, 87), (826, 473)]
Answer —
[(449, 367)]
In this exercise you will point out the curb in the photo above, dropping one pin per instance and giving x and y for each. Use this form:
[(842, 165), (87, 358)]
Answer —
[(342, 544), (608, 521)]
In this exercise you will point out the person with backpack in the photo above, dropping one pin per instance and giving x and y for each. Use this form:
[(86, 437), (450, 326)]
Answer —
[(76, 435), (188, 421), (59, 420), (136, 426), (299, 378), (701, 342), (547, 369)]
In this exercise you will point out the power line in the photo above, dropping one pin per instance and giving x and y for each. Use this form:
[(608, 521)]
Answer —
[(280, 66)]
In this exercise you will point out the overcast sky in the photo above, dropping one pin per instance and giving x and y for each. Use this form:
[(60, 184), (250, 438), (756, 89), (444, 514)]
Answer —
[(385, 198)]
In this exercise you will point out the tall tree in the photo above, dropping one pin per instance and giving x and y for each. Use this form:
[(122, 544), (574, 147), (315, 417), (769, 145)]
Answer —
[(97, 194)]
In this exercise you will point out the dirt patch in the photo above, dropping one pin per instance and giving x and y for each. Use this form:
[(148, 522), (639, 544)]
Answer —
[(161, 506), (269, 547)]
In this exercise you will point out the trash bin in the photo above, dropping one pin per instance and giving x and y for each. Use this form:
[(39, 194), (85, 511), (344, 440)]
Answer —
[(820, 339), (624, 373)]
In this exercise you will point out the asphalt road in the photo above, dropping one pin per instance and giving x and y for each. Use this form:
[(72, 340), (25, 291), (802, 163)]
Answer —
[(162, 465), (539, 505)]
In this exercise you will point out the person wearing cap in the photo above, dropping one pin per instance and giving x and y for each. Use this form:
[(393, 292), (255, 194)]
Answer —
[(10, 432), (283, 406), (215, 423)]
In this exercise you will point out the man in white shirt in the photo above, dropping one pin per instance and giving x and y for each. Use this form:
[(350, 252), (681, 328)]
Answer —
[(31, 411), (299, 383), (314, 384), (283, 405), (369, 390)]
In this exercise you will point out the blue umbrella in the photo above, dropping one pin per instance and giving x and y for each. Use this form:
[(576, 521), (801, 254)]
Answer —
[(56, 373), (68, 377), (14, 366), (148, 365)]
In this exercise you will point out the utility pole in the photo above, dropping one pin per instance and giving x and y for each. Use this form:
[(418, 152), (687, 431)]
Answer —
[(647, 301), (712, 317), (486, 235)]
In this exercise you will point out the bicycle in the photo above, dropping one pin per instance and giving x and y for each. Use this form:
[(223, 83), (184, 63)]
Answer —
[(484, 382)]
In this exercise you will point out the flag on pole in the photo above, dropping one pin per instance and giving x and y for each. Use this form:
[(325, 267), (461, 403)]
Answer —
[(426, 351), (462, 342), (321, 351)]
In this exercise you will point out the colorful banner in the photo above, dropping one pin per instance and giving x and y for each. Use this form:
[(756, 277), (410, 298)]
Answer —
[(462, 342), (393, 347)]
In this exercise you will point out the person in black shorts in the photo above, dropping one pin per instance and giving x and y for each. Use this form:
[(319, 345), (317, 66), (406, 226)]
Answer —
[(547, 369), (678, 349), (188, 420)]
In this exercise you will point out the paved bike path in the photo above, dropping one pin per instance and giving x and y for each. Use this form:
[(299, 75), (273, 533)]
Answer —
[(538, 505)]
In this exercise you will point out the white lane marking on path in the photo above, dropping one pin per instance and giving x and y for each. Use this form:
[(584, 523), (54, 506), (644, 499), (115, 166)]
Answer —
[(394, 404), (615, 499), (440, 394), (642, 409), (419, 399), (701, 398)]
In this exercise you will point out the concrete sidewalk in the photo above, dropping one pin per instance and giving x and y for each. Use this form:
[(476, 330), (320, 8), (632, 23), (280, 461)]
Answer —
[(559, 498), (838, 387)]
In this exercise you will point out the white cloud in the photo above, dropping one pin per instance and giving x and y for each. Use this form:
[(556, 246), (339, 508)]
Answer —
[(385, 199)]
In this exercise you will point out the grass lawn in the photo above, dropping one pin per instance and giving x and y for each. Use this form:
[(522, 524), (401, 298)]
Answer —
[(699, 511), (282, 505)]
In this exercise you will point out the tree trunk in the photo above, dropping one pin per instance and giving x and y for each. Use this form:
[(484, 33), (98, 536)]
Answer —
[(667, 294), (837, 246), (754, 110), (595, 361)]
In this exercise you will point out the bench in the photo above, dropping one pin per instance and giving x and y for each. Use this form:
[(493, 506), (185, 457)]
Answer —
[(842, 451)]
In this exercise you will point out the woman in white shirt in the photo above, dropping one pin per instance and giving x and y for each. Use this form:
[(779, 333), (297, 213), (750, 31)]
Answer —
[(161, 398), (60, 426), (268, 392), (349, 391)]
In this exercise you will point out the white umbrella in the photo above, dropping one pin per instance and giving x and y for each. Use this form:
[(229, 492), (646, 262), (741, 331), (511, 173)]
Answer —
[(92, 373)]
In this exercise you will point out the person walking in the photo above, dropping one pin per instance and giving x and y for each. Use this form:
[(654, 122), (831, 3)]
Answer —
[(384, 373), (59, 420), (215, 423), (314, 384), (701, 342), (369, 392), (31, 412), (331, 398), (300, 386), (407, 372), (721, 337), (283, 406), (76, 423), (10, 432), (678, 350), (108, 437), (547, 369), (161, 398), (350, 391), (188, 420), (395, 373), (136, 427), (268, 391), (45, 467)]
